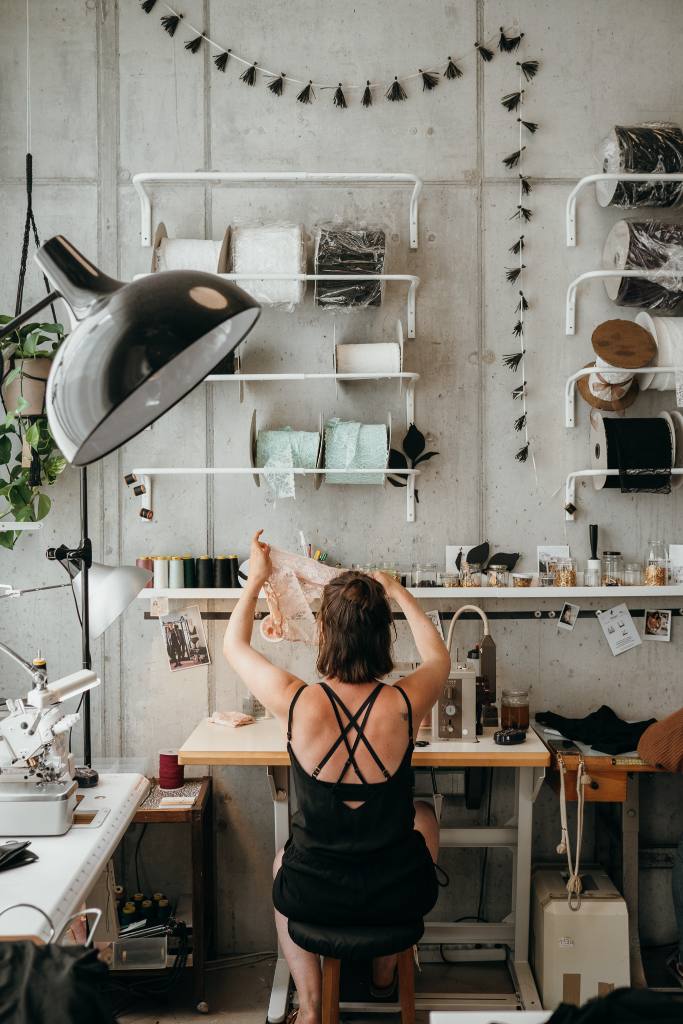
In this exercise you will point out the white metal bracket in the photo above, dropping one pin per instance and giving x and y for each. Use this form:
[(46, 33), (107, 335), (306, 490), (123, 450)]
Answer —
[(570, 311), (570, 507), (586, 371), (591, 178)]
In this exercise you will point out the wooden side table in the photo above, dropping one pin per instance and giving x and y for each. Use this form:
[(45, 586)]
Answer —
[(200, 819)]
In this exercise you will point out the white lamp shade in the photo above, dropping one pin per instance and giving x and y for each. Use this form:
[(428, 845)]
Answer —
[(110, 590)]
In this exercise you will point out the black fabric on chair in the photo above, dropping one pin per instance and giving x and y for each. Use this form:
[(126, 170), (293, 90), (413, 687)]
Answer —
[(355, 942)]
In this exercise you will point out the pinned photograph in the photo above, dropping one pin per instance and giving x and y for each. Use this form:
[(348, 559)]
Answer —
[(657, 625), (568, 616), (549, 555), (185, 640)]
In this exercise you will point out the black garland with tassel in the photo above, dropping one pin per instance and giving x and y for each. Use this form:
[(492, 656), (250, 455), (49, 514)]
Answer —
[(429, 80), (396, 93), (339, 97), (452, 70), (277, 84), (221, 61), (367, 95), (193, 44), (249, 76), (508, 44), (484, 52), (517, 361), (306, 95), (170, 22), (148, 6)]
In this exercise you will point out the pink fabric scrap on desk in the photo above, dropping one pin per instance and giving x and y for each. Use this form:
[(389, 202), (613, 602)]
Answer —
[(293, 584), (234, 719)]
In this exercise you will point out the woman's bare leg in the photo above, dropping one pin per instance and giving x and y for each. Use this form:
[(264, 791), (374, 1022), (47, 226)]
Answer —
[(384, 967), (304, 967)]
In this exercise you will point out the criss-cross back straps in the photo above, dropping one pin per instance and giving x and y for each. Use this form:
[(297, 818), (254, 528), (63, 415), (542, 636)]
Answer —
[(353, 722), (291, 711)]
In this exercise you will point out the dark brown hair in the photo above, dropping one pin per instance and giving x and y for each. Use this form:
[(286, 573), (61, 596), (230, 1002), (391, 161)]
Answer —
[(355, 629)]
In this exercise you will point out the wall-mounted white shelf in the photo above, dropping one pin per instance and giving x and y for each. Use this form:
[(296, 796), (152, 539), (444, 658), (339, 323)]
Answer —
[(452, 593), (6, 527), (594, 179), (586, 371), (273, 177), (570, 507), (144, 477), (591, 275)]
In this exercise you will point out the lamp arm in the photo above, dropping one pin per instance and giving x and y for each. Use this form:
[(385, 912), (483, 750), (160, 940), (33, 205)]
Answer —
[(18, 321), (38, 674)]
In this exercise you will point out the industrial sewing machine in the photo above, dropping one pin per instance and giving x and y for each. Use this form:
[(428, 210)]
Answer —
[(37, 785), (466, 695)]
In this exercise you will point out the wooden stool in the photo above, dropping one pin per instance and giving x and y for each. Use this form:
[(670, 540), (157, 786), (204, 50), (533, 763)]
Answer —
[(360, 943)]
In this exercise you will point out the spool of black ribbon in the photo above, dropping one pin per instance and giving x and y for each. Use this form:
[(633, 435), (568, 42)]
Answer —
[(641, 450), (221, 572), (640, 149), (204, 571), (234, 564), (189, 571), (645, 245)]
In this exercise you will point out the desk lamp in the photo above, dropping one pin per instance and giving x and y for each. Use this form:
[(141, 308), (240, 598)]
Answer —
[(134, 352)]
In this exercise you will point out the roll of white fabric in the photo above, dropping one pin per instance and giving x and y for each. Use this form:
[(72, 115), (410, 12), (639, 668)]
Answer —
[(668, 333), (276, 249), (377, 357), (609, 384), (187, 254)]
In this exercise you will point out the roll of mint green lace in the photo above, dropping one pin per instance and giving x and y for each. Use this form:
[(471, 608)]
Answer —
[(355, 446)]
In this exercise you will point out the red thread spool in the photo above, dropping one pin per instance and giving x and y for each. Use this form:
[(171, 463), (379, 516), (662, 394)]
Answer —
[(171, 774), (145, 562)]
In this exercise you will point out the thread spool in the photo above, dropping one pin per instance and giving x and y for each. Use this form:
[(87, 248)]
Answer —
[(146, 562), (274, 249), (234, 566), (204, 571), (146, 513), (160, 569), (176, 572), (185, 253), (189, 571), (645, 245), (640, 149), (171, 773), (668, 335), (377, 357), (634, 447), (221, 572)]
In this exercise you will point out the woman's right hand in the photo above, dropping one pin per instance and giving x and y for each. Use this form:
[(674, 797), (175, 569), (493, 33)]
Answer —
[(260, 565), (391, 585)]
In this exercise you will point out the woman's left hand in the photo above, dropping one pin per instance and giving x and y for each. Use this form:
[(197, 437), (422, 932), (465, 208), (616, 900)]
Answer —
[(260, 565)]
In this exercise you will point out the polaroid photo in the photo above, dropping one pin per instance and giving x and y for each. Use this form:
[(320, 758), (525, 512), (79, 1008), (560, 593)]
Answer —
[(568, 616), (549, 554), (657, 625), (184, 639)]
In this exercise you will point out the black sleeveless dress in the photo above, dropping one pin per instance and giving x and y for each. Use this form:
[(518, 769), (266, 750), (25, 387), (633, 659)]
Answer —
[(364, 866)]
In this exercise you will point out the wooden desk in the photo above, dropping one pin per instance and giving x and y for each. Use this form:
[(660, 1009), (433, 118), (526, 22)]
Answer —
[(264, 744)]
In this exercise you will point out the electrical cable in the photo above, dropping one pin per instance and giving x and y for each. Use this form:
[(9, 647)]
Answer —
[(137, 851), (484, 861)]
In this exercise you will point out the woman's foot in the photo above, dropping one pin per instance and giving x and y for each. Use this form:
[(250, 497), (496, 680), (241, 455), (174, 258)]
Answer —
[(384, 976)]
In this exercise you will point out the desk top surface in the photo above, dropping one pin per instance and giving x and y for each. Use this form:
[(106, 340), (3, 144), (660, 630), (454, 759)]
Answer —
[(68, 866), (264, 743)]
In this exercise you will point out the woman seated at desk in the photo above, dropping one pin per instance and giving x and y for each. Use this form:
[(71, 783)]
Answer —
[(361, 851)]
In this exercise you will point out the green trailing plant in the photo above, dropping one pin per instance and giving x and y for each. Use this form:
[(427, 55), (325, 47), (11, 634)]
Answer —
[(29, 457)]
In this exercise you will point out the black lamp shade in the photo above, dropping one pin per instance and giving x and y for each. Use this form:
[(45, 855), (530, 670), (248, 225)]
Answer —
[(138, 350)]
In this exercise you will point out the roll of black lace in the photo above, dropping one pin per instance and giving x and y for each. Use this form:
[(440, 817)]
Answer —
[(645, 245), (639, 149), (642, 450), (349, 251)]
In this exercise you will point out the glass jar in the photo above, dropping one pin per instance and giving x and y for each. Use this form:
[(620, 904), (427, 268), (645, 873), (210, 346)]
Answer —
[(470, 577), (424, 575), (522, 579), (565, 572), (448, 579), (546, 579), (390, 569), (633, 575), (514, 709), (593, 573), (656, 564), (612, 569), (405, 575), (498, 576)]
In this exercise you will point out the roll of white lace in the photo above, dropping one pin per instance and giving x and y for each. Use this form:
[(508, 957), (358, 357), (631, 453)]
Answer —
[(668, 333), (377, 357)]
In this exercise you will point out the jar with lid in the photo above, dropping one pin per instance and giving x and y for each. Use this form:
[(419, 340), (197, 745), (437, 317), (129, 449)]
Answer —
[(565, 572), (612, 569), (514, 709), (424, 575), (656, 564), (450, 580), (470, 576), (633, 574), (497, 576)]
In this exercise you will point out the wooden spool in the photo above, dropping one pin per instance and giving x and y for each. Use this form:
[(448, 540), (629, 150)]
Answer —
[(624, 343), (618, 405)]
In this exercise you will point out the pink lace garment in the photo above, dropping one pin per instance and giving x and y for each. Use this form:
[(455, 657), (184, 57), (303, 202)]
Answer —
[(295, 582)]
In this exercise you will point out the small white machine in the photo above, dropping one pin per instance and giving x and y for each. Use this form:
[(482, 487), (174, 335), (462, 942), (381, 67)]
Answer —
[(37, 788), (454, 716), (576, 952)]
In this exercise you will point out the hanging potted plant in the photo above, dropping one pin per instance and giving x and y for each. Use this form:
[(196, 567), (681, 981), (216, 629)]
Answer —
[(29, 457)]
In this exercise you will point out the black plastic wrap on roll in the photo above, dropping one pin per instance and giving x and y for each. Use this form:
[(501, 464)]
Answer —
[(641, 149), (646, 245), (349, 251)]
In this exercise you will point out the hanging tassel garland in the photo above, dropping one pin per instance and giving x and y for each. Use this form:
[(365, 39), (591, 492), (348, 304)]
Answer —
[(396, 92), (513, 360), (512, 100), (193, 44), (512, 273), (148, 6), (517, 246), (367, 95), (221, 61), (484, 52), (523, 454), (277, 85), (519, 391), (529, 68), (339, 97), (513, 159), (522, 213), (522, 305), (520, 422), (530, 126), (452, 70), (429, 80), (518, 329), (525, 185), (170, 22), (306, 95), (249, 76), (507, 44)]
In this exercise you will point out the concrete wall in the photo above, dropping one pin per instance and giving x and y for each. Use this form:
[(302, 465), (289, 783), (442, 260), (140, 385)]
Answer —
[(112, 95)]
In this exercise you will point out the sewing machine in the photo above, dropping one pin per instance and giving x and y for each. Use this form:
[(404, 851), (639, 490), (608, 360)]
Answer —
[(37, 786), (460, 705)]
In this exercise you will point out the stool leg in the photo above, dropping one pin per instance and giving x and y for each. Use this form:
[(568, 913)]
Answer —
[(406, 986), (331, 969)]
